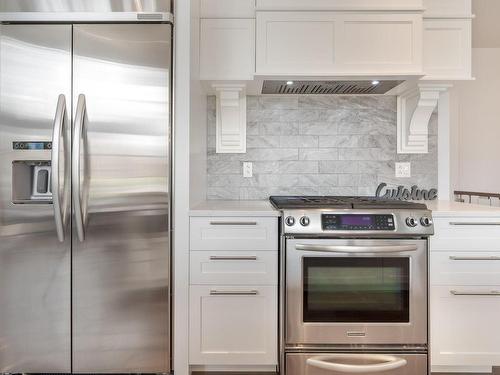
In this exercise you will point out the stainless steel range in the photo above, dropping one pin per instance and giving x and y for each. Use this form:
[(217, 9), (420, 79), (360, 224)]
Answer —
[(353, 285)]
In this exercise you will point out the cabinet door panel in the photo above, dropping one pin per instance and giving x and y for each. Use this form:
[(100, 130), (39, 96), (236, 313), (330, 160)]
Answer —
[(227, 49), (233, 325), (380, 43), (295, 43), (464, 328), (338, 43), (447, 49)]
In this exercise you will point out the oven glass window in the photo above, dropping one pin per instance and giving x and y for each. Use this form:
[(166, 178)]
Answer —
[(360, 290)]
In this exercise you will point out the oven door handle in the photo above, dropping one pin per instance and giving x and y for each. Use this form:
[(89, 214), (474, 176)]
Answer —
[(350, 249), (386, 363)]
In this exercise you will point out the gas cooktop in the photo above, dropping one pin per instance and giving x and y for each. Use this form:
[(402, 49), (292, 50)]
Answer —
[(352, 216), (340, 202)]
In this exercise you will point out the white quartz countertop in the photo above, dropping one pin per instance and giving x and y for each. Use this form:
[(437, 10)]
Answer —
[(451, 208), (264, 208), (234, 208)]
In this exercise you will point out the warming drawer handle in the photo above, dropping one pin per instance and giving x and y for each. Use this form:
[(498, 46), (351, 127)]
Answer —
[(60, 205), (453, 257), (233, 223), (233, 257), (464, 223), (494, 293), (234, 292), (386, 363), (357, 249)]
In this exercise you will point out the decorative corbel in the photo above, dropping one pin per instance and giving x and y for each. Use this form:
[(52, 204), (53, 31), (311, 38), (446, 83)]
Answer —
[(415, 107), (230, 118)]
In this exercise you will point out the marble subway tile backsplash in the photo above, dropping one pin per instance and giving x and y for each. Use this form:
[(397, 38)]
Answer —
[(316, 145)]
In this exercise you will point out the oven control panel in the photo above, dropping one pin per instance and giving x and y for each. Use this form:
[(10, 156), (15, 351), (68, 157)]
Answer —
[(358, 222)]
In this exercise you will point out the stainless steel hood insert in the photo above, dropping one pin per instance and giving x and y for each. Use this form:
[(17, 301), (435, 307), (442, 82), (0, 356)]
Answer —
[(328, 87)]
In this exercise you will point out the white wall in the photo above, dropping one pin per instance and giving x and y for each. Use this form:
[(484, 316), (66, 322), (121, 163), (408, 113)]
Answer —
[(476, 108), (479, 125)]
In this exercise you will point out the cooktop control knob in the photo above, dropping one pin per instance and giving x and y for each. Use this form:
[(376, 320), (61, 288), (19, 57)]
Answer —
[(304, 221), (289, 220), (426, 221), (411, 222)]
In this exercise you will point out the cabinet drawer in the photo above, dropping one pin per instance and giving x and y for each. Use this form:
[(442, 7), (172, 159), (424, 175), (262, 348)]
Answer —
[(465, 234), (464, 328), (230, 233), (234, 267), (465, 268), (233, 325)]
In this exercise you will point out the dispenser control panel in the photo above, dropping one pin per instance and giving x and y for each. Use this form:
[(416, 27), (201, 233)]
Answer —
[(17, 145)]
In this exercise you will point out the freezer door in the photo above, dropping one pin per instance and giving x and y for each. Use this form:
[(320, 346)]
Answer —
[(121, 198), (35, 295)]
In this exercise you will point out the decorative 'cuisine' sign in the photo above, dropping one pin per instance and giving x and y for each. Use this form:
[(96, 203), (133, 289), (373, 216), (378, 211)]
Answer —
[(402, 193)]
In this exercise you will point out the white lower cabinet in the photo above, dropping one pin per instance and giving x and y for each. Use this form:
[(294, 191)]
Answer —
[(465, 294), (233, 325), (233, 302), (465, 326), (234, 267), (465, 268)]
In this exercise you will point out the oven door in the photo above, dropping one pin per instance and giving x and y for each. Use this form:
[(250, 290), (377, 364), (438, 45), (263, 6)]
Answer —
[(356, 292)]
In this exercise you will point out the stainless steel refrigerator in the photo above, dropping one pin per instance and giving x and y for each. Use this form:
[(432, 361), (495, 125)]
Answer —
[(85, 128)]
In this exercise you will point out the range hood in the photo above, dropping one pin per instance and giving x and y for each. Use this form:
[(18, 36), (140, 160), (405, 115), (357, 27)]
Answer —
[(328, 87)]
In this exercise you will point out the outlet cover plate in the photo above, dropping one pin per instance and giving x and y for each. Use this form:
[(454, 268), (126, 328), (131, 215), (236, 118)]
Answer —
[(247, 169), (403, 170)]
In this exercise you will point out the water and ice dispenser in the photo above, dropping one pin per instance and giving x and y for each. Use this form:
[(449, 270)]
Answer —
[(31, 179)]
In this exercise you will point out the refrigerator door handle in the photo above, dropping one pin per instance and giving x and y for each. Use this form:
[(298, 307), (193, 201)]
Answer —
[(60, 204), (79, 196)]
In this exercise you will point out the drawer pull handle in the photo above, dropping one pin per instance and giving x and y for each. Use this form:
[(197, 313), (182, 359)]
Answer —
[(495, 293), (457, 223), (243, 257), (233, 223), (234, 292), (475, 258)]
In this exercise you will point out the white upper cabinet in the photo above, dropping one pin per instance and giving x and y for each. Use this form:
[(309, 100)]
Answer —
[(227, 8), (380, 43), (447, 40), (339, 4), (338, 43), (227, 49), (427, 39), (295, 43), (447, 8), (448, 47)]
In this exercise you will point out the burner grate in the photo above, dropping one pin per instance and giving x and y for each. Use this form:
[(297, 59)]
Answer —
[(340, 202)]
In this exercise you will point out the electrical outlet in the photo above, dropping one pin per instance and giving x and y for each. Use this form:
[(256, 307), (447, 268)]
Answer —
[(247, 169), (403, 169)]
